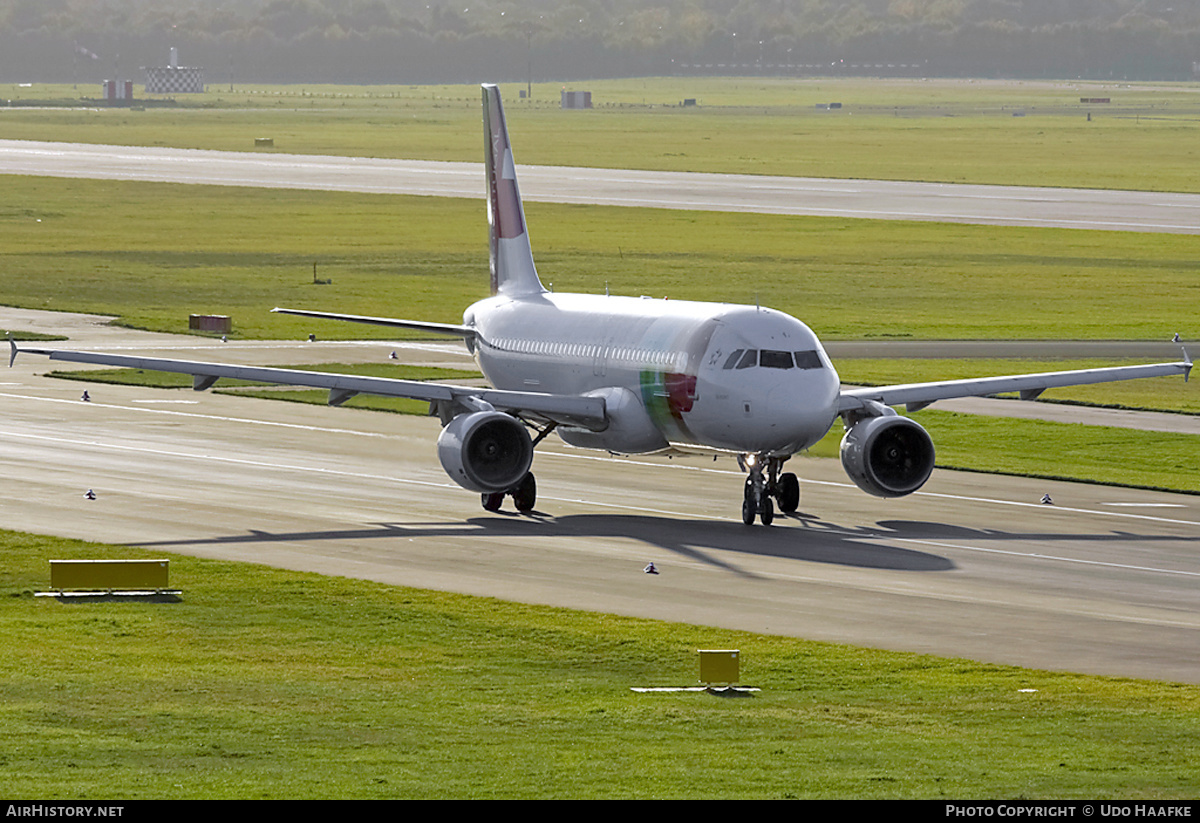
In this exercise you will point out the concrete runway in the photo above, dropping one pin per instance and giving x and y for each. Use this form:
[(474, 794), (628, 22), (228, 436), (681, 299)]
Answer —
[(1104, 581), (874, 199)]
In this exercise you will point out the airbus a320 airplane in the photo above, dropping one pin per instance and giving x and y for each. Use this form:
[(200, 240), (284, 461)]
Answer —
[(635, 376)]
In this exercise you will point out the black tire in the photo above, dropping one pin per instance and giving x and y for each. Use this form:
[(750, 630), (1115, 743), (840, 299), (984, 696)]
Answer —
[(768, 511), (789, 493), (492, 502), (748, 511), (525, 495)]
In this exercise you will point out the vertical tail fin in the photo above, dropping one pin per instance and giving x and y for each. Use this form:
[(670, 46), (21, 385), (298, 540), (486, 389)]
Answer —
[(513, 272)]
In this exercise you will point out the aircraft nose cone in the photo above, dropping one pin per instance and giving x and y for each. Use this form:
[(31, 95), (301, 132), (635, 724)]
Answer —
[(801, 410)]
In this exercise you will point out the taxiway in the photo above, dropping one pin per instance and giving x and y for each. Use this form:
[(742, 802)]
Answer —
[(1103, 581), (871, 199)]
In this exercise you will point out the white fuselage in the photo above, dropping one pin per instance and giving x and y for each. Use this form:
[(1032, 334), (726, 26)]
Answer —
[(673, 373)]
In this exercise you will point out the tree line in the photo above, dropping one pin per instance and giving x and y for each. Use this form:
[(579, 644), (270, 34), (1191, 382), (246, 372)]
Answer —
[(439, 41)]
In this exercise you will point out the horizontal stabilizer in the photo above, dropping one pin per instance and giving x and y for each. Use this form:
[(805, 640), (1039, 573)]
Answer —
[(419, 325)]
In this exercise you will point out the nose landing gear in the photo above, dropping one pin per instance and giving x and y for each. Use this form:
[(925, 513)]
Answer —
[(763, 482)]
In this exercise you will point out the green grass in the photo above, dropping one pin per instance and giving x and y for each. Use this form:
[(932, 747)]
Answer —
[(263, 683), (941, 130), (1170, 394), (151, 254)]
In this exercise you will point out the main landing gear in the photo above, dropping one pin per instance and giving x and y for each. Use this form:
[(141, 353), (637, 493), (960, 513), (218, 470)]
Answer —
[(763, 482), (524, 496)]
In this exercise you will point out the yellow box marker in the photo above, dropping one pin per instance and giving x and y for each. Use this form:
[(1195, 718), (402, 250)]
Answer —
[(719, 666), (109, 575)]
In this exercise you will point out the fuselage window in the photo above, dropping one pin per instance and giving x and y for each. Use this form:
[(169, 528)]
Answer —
[(733, 359), (769, 359), (808, 360), (749, 359)]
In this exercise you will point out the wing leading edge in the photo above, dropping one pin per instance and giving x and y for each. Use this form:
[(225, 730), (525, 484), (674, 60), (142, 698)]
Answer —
[(588, 412), (916, 396)]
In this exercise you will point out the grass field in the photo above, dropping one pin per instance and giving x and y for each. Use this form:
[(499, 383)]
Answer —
[(262, 683), (151, 254), (1032, 133), (269, 684)]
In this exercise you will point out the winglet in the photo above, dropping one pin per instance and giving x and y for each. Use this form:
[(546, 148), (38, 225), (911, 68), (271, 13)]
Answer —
[(511, 258), (12, 358), (1187, 364)]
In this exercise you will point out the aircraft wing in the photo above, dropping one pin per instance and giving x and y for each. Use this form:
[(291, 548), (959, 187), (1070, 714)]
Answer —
[(421, 325), (575, 410), (915, 396)]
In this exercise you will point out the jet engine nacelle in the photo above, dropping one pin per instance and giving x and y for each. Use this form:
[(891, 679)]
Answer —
[(887, 456), (485, 451)]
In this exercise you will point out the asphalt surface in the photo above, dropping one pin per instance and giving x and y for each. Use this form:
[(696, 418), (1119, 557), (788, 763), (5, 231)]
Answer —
[(1103, 581), (874, 199)]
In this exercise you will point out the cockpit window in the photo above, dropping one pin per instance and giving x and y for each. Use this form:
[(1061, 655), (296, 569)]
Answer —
[(808, 360), (769, 359)]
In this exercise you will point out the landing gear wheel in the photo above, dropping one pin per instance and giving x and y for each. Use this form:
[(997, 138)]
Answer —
[(756, 502), (748, 511), (789, 493), (525, 494), (491, 502), (749, 506)]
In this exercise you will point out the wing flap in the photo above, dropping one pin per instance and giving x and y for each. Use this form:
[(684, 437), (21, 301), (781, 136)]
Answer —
[(567, 409)]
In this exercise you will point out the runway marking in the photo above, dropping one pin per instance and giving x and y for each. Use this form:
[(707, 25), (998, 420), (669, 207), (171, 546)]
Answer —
[(221, 418), (209, 459), (709, 191), (803, 481), (792, 575), (623, 461), (1057, 558), (873, 214)]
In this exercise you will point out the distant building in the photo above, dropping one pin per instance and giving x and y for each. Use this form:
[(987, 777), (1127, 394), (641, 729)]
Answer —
[(576, 99), (118, 90), (174, 78)]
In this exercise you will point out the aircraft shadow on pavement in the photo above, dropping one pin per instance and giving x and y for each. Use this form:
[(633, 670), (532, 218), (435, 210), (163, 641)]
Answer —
[(813, 541), (801, 537)]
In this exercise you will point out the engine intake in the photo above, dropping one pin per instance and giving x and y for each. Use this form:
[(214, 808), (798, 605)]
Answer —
[(888, 456), (485, 451)]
